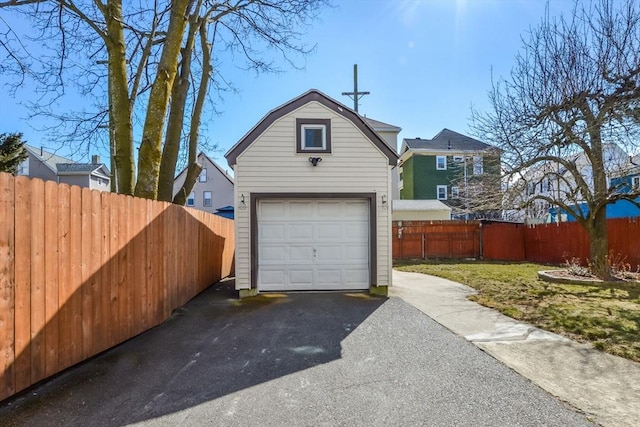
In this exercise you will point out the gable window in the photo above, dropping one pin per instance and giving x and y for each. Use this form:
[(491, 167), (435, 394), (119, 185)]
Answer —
[(442, 192), (191, 200), (313, 136), (206, 198), (203, 175), (441, 163), (455, 193), (635, 182), (477, 165)]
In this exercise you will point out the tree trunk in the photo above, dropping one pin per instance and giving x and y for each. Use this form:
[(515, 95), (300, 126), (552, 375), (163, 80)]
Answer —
[(151, 147), (194, 168), (120, 127), (599, 245), (176, 117)]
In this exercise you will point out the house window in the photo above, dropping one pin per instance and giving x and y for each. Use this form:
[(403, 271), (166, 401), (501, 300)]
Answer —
[(458, 159), (313, 135), (442, 192), (455, 193), (203, 175), (23, 169), (441, 163), (635, 182), (191, 200), (206, 198), (477, 165)]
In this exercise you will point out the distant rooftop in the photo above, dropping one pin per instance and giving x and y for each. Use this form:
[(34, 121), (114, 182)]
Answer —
[(77, 167), (48, 158), (377, 125), (447, 139)]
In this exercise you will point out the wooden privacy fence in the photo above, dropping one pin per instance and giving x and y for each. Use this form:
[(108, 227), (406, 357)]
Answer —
[(81, 271), (545, 243), (436, 239)]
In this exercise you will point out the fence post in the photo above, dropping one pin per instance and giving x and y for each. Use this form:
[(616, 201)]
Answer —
[(423, 247)]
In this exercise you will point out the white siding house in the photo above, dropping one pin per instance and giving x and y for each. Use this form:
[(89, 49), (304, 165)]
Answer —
[(212, 190), (312, 193)]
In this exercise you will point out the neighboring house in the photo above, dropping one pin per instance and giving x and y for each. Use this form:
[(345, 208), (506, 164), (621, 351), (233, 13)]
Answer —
[(390, 135), (51, 167), (420, 210), (213, 188), (448, 168), (312, 187), (550, 179)]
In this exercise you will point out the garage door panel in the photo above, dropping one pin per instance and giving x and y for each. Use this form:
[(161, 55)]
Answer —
[(300, 253), (271, 209), (272, 232), (330, 208), (274, 253), (329, 276), (300, 231), (356, 209), (300, 209), (329, 231), (272, 277), (356, 276), (313, 244), (356, 231), (301, 277), (329, 253), (357, 253)]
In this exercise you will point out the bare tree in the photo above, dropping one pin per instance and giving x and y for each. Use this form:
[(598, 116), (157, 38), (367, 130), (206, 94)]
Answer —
[(476, 187), (149, 51), (574, 89)]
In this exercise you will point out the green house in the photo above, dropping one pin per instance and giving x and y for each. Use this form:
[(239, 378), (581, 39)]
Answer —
[(458, 170)]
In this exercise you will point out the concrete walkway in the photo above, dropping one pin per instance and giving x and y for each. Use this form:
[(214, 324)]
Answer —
[(605, 387)]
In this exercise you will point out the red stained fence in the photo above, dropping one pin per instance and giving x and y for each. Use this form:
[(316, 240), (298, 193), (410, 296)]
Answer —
[(82, 271), (436, 239), (546, 243)]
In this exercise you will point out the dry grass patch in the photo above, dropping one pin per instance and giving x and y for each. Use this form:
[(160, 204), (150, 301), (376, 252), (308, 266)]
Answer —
[(608, 317)]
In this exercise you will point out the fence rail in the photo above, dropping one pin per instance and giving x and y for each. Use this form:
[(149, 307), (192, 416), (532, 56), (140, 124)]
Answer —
[(546, 243), (81, 271)]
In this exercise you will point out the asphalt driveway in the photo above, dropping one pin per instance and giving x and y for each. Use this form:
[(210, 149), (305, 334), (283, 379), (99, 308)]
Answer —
[(294, 359)]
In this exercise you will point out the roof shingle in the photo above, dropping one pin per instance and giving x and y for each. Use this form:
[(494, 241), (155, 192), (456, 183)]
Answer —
[(447, 139)]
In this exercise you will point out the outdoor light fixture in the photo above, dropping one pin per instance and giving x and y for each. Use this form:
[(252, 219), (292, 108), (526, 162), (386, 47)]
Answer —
[(384, 200), (315, 160), (242, 203)]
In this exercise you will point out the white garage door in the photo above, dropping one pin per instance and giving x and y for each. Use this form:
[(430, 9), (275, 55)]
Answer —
[(319, 244)]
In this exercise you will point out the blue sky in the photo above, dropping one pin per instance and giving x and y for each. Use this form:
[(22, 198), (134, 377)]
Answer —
[(424, 62)]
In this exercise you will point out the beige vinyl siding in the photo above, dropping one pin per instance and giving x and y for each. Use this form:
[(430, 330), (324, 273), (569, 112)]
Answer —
[(271, 165)]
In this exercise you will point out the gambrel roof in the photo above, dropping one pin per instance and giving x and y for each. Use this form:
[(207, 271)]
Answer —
[(310, 96)]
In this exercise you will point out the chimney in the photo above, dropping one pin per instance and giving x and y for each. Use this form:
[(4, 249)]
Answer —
[(95, 159), (41, 151)]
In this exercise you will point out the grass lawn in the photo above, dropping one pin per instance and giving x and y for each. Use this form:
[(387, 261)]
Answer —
[(608, 317)]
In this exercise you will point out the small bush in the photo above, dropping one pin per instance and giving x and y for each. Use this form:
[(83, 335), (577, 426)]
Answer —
[(574, 267)]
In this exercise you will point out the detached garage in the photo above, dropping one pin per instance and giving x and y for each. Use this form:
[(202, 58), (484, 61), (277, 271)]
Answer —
[(312, 187)]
